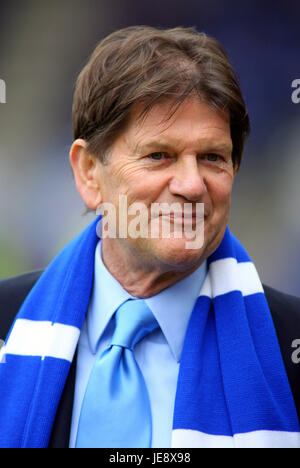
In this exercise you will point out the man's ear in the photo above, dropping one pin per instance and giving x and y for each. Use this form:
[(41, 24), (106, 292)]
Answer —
[(86, 173)]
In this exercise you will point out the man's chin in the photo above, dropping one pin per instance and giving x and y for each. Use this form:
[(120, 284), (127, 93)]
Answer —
[(179, 253)]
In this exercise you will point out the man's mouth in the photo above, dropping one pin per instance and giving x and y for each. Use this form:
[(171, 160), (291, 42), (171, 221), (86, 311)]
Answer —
[(186, 219)]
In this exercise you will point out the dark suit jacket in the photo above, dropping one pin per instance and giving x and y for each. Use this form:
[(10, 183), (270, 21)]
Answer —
[(285, 311)]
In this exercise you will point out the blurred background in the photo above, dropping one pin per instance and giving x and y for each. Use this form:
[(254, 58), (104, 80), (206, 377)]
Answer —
[(44, 45)]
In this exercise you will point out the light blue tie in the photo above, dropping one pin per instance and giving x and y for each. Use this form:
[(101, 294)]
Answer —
[(116, 409)]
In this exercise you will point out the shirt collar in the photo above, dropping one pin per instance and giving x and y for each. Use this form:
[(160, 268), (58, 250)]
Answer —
[(172, 307), (106, 298)]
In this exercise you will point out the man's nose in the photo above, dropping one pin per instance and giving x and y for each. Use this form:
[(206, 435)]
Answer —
[(188, 181)]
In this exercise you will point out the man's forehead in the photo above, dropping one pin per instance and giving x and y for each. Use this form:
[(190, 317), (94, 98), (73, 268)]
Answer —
[(159, 127), (205, 142), (170, 108)]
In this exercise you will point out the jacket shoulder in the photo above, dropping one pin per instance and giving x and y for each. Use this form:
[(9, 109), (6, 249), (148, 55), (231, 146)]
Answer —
[(13, 292), (285, 310)]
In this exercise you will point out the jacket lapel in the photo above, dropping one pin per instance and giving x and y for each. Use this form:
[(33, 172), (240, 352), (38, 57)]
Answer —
[(60, 435)]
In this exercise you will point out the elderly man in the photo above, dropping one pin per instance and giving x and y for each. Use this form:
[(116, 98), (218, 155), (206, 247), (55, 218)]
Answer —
[(131, 340)]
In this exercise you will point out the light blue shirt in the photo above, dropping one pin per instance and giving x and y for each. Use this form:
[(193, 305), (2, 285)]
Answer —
[(158, 354)]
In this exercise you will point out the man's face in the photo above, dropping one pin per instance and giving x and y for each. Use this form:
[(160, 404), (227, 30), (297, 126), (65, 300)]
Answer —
[(186, 159)]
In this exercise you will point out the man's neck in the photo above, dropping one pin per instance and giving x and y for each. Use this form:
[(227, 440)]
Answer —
[(139, 276)]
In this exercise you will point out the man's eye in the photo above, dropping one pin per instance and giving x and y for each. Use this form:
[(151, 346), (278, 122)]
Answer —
[(212, 157), (158, 156)]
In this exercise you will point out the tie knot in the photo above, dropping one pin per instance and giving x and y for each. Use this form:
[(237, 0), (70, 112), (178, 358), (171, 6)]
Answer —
[(134, 320)]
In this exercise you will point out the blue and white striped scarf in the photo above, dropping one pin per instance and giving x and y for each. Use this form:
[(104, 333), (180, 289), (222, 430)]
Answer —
[(232, 388)]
